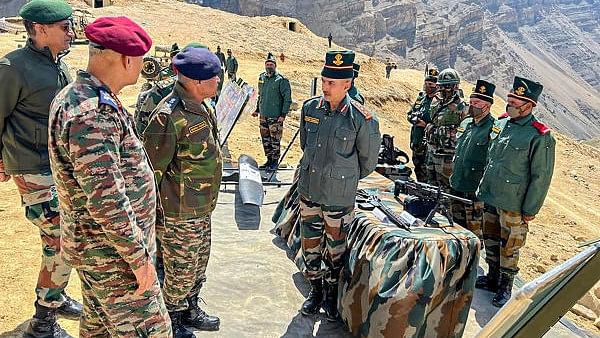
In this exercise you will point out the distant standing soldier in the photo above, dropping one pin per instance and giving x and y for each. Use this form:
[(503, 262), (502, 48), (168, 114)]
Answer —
[(329, 39), (447, 110), (30, 77), (274, 101), (353, 91), (473, 138), (106, 189), (388, 68), (221, 57), (149, 99), (418, 116), (514, 185), (182, 143), (340, 140), (231, 66)]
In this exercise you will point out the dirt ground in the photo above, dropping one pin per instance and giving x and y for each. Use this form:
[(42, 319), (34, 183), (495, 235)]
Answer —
[(569, 217)]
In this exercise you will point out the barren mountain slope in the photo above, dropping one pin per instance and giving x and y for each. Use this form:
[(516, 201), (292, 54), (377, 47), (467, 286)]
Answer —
[(571, 213)]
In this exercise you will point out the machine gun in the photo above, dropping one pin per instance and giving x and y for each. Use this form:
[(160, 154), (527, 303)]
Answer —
[(369, 201), (427, 196)]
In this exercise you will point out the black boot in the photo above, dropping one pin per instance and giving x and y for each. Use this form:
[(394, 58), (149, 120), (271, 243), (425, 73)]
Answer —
[(179, 330), (44, 325), (330, 303), (313, 303), (504, 289), (70, 308), (490, 281), (199, 319), (266, 165)]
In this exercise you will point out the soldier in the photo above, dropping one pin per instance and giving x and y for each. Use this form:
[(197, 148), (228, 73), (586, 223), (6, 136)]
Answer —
[(182, 142), (274, 100), (329, 39), (354, 92), (30, 77), (514, 185), (472, 140), (149, 99), (388, 69), (446, 111), (418, 116), (231, 66), (106, 189), (221, 57), (340, 140)]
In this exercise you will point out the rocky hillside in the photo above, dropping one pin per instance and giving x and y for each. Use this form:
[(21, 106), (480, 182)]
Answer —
[(556, 42), (10, 7)]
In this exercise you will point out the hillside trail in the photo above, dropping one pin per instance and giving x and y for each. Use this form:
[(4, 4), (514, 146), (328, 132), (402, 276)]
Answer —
[(570, 216)]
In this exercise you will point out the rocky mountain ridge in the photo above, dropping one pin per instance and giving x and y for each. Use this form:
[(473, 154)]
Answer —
[(556, 42)]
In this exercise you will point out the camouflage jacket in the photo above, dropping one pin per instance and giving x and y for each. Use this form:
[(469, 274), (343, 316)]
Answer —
[(149, 99), (419, 110), (340, 147), (29, 80), (105, 185), (470, 159), (182, 143), (445, 119), (520, 165)]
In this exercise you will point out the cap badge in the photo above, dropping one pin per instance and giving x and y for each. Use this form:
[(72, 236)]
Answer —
[(482, 89), (338, 60), (520, 91)]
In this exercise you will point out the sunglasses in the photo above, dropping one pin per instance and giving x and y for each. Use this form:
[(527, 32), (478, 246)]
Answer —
[(66, 26)]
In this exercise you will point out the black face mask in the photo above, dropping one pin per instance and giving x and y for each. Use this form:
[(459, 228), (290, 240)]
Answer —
[(475, 111), (514, 112)]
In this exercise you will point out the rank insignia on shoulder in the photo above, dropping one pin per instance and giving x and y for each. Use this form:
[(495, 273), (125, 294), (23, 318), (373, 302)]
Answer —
[(541, 128), (107, 98), (311, 119), (496, 129), (361, 108), (460, 129), (198, 127)]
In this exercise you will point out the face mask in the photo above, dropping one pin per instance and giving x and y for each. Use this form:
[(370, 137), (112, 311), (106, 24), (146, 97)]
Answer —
[(270, 70), (475, 111), (514, 112)]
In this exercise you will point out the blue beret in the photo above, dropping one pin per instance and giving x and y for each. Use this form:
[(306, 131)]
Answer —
[(46, 11), (197, 63)]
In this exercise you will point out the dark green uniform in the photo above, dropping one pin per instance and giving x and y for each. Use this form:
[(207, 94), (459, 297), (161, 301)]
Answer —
[(231, 67), (149, 99), (419, 110), (469, 162), (274, 101), (355, 94)]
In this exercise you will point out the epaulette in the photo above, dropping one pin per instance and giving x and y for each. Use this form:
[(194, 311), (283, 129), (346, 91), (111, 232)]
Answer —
[(503, 116), (541, 128), (361, 108), (162, 84), (169, 104), (107, 98), (307, 101)]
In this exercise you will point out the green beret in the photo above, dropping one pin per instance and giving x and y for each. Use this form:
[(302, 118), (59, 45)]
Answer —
[(195, 45), (339, 65), (46, 11), (525, 89)]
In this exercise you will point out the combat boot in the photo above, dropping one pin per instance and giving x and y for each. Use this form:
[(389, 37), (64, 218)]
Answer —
[(490, 281), (70, 308), (504, 288), (179, 330), (313, 303), (266, 165), (330, 303), (44, 325), (196, 317)]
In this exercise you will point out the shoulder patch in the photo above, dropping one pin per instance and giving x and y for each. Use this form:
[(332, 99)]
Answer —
[(107, 98), (503, 116), (541, 128), (311, 119), (198, 127), (361, 108)]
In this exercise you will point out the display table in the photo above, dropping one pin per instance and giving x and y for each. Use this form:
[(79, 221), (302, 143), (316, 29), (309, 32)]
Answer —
[(396, 283)]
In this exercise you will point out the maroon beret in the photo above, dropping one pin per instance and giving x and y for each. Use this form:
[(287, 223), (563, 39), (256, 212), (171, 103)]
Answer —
[(120, 34)]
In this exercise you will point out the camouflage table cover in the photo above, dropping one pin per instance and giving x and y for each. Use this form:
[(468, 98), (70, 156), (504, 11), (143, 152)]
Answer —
[(396, 283)]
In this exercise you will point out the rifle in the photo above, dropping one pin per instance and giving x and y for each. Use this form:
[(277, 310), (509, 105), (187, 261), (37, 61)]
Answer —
[(368, 201), (428, 194)]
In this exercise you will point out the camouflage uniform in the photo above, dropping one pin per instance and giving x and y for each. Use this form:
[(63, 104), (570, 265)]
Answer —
[(419, 110), (182, 143), (149, 99), (441, 139), (108, 210)]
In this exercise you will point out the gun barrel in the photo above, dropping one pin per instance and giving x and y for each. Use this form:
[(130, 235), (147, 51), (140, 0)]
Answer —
[(427, 189)]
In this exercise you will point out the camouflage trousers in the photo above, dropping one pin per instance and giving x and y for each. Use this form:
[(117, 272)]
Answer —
[(110, 309), (323, 231), (419, 159), (469, 217), (439, 170), (270, 132), (185, 246), (40, 199), (504, 234)]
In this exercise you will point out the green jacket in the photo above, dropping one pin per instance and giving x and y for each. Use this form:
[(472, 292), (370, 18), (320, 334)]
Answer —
[(274, 95), (149, 99), (182, 143), (445, 119), (471, 153), (520, 166), (355, 94), (419, 110), (340, 147), (29, 81), (231, 65)]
